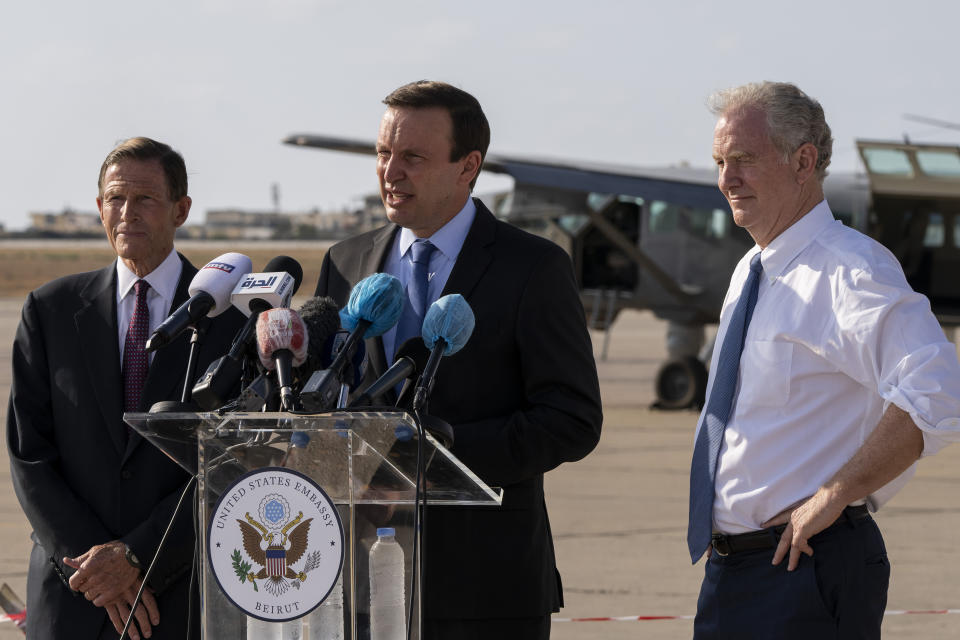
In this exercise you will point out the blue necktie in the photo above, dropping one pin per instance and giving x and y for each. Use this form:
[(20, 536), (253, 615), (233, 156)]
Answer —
[(707, 448), (411, 320)]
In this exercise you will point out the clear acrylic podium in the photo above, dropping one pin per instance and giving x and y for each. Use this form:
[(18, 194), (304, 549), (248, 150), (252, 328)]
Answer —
[(365, 463)]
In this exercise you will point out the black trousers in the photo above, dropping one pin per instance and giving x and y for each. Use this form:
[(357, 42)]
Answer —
[(840, 592), (492, 629)]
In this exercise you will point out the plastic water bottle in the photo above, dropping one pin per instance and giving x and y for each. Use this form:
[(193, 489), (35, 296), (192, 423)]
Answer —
[(291, 630), (388, 611), (326, 621), (262, 630)]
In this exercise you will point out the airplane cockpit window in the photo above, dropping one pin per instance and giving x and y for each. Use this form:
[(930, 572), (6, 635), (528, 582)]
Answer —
[(719, 223), (939, 164), (572, 223), (934, 234), (666, 217), (890, 162)]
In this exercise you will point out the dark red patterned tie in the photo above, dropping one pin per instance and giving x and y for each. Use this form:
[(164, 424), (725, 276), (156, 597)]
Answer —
[(135, 360)]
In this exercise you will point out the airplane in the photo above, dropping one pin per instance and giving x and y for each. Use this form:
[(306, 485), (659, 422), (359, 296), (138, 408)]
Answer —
[(663, 239)]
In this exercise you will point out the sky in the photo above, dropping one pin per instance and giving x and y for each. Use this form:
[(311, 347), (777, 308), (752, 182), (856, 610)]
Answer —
[(224, 81)]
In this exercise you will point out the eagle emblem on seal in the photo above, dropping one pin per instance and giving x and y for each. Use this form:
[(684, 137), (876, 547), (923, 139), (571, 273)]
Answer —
[(275, 542)]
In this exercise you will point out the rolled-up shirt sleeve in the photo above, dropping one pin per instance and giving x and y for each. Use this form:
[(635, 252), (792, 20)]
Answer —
[(904, 352)]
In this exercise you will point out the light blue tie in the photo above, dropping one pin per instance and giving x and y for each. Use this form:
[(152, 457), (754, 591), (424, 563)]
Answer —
[(411, 320), (707, 448)]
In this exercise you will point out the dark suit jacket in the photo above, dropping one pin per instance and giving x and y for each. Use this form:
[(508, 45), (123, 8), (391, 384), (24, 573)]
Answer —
[(522, 397), (78, 484)]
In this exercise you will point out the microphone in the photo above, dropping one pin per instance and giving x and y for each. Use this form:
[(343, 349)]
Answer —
[(209, 295), (447, 326), (282, 344), (274, 287), (355, 366), (349, 371), (322, 318), (374, 306), (411, 358), (223, 374), (257, 395)]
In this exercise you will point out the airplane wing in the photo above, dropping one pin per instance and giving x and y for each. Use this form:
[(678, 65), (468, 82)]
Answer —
[(679, 185)]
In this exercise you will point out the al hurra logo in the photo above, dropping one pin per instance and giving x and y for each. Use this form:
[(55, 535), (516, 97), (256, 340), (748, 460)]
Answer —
[(275, 544)]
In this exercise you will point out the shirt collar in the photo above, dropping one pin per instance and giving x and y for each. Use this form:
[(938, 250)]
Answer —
[(450, 237), (163, 280), (788, 245)]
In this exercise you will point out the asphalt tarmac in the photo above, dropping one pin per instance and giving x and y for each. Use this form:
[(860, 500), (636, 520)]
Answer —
[(619, 516)]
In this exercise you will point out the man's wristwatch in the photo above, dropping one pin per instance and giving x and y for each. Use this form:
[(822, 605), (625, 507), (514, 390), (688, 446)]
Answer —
[(132, 558)]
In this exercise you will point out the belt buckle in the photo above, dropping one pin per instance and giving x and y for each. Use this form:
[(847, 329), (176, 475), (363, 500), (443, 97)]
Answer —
[(719, 543)]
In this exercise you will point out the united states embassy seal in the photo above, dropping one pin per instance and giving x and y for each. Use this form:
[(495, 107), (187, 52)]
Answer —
[(275, 544)]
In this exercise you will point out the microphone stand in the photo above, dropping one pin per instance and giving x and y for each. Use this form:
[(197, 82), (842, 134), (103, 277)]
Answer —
[(199, 330), (419, 521)]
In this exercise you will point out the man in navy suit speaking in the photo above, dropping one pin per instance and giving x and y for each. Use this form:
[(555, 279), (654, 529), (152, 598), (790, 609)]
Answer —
[(522, 395)]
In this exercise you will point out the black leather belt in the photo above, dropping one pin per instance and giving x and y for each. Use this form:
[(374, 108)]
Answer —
[(769, 538)]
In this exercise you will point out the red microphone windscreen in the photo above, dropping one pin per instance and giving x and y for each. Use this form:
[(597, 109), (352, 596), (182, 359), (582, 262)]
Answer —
[(281, 329)]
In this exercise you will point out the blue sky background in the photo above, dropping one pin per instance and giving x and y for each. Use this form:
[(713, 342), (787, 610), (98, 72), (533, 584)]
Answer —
[(223, 81)]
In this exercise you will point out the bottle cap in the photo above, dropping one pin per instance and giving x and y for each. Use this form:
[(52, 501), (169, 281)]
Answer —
[(385, 531), (299, 439)]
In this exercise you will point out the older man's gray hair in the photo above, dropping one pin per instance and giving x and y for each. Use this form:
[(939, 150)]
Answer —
[(793, 117)]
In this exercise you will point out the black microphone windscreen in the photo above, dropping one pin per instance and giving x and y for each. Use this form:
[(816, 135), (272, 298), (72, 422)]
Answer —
[(416, 351), (289, 265), (322, 317)]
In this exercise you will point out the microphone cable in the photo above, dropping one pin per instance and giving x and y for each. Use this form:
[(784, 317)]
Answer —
[(156, 555), (419, 521)]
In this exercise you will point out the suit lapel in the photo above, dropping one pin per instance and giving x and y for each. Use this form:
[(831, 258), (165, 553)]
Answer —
[(475, 255), (96, 326)]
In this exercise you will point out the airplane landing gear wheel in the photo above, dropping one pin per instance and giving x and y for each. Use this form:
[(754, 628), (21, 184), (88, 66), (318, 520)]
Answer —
[(681, 383)]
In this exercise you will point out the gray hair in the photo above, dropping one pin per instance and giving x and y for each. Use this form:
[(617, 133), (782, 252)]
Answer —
[(793, 117)]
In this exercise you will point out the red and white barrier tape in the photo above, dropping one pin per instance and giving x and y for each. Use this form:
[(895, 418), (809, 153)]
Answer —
[(17, 618), (888, 612)]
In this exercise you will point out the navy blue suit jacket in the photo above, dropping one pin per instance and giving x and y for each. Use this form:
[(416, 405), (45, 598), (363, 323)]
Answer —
[(82, 476), (522, 397)]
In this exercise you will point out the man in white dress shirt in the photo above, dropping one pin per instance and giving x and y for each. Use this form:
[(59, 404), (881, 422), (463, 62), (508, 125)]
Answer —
[(845, 380)]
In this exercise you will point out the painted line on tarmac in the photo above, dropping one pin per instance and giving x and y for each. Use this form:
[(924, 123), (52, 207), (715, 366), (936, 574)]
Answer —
[(888, 612)]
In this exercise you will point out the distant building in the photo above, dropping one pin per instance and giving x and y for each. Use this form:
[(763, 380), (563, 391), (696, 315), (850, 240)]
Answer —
[(65, 223), (238, 224), (233, 223)]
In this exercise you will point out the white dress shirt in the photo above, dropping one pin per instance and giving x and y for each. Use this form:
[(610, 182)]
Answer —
[(448, 240), (836, 337), (163, 286)]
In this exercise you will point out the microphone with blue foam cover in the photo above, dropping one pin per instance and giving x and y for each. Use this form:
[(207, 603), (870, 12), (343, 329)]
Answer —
[(447, 326), (374, 306)]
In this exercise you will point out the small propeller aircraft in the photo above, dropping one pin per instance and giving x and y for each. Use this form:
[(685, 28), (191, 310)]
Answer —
[(663, 239)]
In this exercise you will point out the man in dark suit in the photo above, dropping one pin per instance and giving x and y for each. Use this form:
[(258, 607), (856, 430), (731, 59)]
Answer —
[(522, 395), (97, 495)]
